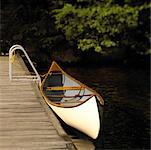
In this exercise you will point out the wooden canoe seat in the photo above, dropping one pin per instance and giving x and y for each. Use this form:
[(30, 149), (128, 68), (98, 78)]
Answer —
[(69, 103), (62, 88)]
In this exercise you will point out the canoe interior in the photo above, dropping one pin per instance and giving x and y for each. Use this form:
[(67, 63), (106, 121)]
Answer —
[(61, 89)]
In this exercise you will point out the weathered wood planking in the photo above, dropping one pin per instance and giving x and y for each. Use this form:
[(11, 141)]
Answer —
[(26, 122)]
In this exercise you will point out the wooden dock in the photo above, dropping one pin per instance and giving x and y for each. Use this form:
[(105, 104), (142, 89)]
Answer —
[(26, 122)]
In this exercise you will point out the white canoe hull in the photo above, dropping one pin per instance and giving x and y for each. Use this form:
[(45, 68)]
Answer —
[(84, 117)]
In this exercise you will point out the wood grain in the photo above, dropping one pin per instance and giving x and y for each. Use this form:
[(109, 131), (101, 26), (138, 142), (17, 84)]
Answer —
[(24, 122)]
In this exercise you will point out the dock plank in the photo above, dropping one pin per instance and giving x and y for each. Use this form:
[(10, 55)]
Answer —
[(24, 123)]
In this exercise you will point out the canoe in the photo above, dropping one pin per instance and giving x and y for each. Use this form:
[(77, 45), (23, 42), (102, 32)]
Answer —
[(75, 103)]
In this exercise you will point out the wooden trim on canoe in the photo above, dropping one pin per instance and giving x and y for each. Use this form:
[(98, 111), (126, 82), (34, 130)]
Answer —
[(62, 88)]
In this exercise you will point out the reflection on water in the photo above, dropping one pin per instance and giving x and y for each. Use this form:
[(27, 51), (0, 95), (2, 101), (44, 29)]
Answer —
[(127, 105), (83, 144)]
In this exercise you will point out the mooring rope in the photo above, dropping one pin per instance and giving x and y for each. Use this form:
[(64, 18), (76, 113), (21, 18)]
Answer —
[(12, 59)]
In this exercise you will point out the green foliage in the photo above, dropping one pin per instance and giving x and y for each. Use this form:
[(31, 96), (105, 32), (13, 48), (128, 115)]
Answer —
[(77, 24), (98, 26), (86, 44)]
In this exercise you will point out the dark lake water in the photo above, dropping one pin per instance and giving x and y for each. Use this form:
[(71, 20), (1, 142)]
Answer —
[(127, 105)]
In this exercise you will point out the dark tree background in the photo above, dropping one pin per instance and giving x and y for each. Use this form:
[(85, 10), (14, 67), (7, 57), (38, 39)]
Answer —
[(78, 30)]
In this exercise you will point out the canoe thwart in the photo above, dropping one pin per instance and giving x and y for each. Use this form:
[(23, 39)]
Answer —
[(62, 88)]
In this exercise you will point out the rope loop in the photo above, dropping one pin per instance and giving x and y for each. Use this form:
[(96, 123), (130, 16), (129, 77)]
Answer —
[(13, 57)]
